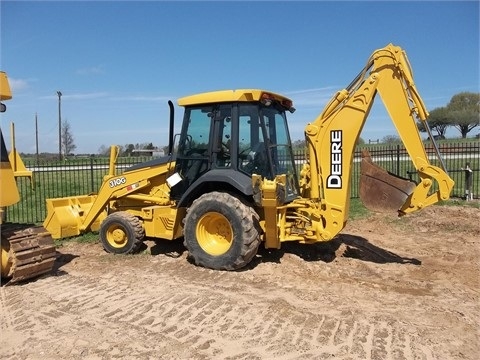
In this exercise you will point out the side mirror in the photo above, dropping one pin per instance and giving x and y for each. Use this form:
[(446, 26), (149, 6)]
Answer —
[(3, 107)]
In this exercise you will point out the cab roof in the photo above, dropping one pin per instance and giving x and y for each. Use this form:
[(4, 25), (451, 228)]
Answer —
[(243, 95)]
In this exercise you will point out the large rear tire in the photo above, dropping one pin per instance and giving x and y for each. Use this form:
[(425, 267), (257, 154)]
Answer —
[(121, 233), (221, 232)]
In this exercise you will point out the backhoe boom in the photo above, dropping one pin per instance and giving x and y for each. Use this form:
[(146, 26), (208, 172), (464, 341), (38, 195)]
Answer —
[(332, 137)]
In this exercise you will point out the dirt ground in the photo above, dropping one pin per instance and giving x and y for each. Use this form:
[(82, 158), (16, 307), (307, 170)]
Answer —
[(387, 288)]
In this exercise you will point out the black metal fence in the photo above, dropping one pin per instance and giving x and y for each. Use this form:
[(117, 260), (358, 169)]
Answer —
[(83, 176)]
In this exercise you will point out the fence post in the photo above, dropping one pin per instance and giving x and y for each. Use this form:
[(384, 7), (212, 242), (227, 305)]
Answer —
[(91, 174), (398, 160), (468, 182)]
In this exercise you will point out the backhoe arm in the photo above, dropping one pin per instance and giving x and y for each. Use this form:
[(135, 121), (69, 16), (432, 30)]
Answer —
[(400, 85), (332, 137)]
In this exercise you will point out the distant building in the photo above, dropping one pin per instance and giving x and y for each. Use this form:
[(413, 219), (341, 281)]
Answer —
[(148, 152)]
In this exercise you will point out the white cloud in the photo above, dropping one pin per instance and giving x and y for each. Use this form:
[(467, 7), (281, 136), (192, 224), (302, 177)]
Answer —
[(93, 70), (104, 95), (111, 132), (85, 96), (18, 84), (146, 98), (311, 97), (310, 91)]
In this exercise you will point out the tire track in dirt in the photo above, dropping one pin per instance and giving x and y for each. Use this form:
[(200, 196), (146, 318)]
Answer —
[(176, 313), (63, 308), (7, 325), (379, 294)]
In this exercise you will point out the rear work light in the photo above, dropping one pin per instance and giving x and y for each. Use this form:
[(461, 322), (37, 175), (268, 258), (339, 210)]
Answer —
[(267, 99)]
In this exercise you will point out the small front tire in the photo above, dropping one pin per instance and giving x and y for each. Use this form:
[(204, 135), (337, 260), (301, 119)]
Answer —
[(121, 233)]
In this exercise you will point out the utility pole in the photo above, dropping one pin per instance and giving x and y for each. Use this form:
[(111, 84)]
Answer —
[(36, 137), (59, 125)]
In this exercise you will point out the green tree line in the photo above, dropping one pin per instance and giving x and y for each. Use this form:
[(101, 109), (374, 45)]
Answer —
[(461, 113)]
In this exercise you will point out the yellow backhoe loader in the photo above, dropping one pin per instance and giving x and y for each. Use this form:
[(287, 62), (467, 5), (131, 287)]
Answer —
[(232, 183), (27, 250)]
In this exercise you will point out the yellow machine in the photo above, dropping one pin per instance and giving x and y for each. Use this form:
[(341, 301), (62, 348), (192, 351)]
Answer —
[(27, 250), (232, 183)]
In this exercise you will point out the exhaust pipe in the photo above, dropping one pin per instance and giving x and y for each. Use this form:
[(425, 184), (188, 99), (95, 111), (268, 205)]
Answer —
[(170, 135)]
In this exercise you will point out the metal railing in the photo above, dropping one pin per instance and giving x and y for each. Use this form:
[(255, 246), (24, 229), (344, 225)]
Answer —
[(52, 179)]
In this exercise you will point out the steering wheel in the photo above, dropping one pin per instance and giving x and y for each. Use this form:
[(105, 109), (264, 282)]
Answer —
[(196, 152)]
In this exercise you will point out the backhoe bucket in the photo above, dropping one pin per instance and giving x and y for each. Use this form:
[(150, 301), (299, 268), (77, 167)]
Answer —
[(380, 190), (65, 216)]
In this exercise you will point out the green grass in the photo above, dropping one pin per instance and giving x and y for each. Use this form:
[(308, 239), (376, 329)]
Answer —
[(88, 238), (32, 206), (358, 210), (460, 202)]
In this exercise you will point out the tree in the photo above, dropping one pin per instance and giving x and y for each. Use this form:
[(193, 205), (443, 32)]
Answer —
[(128, 149), (390, 139), (464, 111), (165, 149), (68, 142), (103, 150), (438, 121), (299, 144)]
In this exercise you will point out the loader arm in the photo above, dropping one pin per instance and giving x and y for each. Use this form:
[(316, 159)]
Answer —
[(72, 216), (332, 137)]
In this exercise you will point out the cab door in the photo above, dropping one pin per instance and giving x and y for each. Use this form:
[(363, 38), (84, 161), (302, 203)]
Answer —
[(194, 149)]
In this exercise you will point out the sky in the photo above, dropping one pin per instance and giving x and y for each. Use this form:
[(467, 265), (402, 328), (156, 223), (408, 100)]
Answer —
[(117, 63)]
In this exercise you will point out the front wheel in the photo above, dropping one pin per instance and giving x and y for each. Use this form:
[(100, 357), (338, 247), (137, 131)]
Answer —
[(221, 232), (121, 233)]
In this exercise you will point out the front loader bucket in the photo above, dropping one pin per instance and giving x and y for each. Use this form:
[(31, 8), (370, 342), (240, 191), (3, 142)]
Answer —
[(380, 190), (65, 216)]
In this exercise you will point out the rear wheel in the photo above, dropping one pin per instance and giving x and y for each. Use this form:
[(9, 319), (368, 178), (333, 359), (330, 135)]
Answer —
[(121, 233), (221, 232)]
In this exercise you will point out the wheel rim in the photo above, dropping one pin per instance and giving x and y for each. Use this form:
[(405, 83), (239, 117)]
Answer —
[(116, 236), (214, 233)]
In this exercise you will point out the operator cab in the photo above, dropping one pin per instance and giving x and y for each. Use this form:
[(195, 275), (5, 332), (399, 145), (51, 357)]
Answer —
[(236, 134)]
